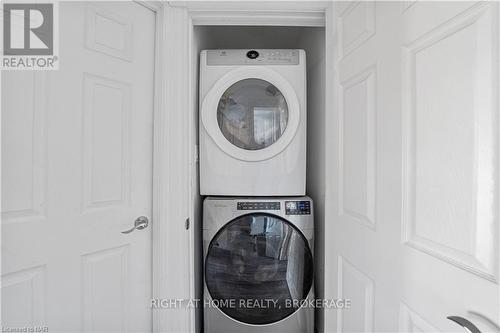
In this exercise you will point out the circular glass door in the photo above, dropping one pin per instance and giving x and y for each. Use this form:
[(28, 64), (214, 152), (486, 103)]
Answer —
[(258, 268), (252, 114)]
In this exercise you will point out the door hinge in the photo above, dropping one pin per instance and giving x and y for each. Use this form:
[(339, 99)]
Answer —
[(187, 223)]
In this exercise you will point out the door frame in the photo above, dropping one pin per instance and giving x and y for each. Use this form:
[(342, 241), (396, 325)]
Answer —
[(161, 190), (175, 158)]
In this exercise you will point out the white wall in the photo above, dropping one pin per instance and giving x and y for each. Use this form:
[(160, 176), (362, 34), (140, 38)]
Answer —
[(312, 40)]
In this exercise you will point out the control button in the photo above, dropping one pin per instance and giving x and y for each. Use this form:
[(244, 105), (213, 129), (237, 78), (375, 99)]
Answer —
[(258, 206), (252, 54)]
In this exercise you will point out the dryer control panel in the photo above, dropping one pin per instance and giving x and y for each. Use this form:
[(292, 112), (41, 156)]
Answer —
[(297, 207), (252, 57)]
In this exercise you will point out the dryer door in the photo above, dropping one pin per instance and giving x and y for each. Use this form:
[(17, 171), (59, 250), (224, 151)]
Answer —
[(251, 113), (256, 267)]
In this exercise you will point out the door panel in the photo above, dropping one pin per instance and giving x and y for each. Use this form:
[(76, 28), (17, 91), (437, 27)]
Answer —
[(455, 150), (76, 171), (450, 161), (415, 196)]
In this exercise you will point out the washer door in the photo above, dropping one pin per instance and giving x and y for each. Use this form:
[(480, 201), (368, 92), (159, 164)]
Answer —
[(256, 267), (251, 113)]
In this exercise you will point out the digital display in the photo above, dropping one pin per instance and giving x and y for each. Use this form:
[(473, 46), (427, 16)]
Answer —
[(298, 207)]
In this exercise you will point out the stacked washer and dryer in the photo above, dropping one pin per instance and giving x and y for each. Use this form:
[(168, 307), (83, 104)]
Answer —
[(258, 226)]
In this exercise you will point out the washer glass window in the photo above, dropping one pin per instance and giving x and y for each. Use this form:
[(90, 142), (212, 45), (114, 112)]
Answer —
[(252, 114), (258, 268)]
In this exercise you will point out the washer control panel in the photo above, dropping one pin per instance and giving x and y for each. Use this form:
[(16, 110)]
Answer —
[(297, 207), (258, 205), (252, 57)]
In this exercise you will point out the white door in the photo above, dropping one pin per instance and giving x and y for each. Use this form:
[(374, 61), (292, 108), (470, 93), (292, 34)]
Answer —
[(413, 215), (76, 171)]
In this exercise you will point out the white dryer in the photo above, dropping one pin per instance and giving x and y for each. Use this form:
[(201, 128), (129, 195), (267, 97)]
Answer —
[(258, 265), (252, 122)]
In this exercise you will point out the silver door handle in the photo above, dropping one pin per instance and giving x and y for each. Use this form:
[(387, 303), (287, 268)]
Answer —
[(140, 223), (464, 323)]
